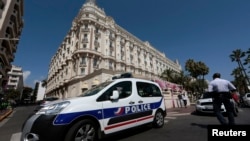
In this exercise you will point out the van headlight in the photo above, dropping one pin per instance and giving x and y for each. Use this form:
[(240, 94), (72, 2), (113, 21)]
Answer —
[(52, 109), (198, 102)]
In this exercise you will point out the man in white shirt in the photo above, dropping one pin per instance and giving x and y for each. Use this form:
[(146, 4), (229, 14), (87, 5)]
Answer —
[(221, 90), (184, 99)]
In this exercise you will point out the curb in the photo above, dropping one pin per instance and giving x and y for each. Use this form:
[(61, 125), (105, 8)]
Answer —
[(6, 115)]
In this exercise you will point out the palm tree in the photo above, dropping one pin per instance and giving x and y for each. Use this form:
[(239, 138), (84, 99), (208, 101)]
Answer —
[(239, 80), (237, 55), (167, 74), (202, 69), (191, 66), (197, 69), (247, 60)]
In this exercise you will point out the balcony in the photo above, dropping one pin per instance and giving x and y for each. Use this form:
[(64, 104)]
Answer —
[(97, 44), (85, 40), (85, 29), (83, 65), (98, 34)]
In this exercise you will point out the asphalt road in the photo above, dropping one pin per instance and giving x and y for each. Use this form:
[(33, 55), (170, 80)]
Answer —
[(10, 127), (181, 124)]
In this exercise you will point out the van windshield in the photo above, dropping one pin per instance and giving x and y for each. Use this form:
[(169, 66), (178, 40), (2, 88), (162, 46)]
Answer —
[(95, 89)]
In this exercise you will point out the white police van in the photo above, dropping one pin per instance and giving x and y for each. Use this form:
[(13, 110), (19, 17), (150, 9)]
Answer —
[(107, 108)]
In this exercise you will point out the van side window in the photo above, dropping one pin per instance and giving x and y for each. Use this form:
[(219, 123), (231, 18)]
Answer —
[(124, 89), (148, 90)]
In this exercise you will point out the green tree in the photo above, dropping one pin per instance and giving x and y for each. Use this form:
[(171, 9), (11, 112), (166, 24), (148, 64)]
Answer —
[(191, 66), (197, 70), (167, 75), (12, 94), (44, 83), (239, 80), (237, 55)]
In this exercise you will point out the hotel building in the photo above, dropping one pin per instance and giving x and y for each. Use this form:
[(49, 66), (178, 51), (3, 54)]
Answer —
[(95, 49), (11, 25)]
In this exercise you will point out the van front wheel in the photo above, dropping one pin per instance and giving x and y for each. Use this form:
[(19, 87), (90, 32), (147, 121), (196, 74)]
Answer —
[(82, 130)]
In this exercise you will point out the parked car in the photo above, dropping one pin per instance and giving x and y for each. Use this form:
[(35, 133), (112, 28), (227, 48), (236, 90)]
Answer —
[(246, 99), (107, 108), (205, 105)]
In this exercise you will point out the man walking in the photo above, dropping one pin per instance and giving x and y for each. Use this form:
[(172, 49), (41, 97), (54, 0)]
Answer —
[(184, 99), (221, 90), (180, 100)]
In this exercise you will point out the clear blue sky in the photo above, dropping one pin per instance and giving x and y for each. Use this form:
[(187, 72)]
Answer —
[(202, 30)]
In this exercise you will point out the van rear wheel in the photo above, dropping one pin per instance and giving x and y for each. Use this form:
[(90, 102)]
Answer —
[(158, 119), (82, 130)]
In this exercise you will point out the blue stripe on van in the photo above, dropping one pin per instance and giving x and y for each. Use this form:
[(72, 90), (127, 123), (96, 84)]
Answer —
[(67, 118)]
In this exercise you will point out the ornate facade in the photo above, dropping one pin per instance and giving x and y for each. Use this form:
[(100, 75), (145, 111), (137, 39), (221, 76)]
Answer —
[(96, 49)]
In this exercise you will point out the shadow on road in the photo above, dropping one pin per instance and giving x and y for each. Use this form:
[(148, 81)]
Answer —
[(127, 133)]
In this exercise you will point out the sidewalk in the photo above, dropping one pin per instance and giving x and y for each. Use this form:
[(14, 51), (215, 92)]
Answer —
[(5, 113), (190, 109)]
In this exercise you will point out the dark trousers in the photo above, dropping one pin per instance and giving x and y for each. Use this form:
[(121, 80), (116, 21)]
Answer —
[(185, 102), (217, 102)]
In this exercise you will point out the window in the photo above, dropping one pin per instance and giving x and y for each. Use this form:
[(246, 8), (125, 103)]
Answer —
[(83, 61), (148, 90), (13, 81), (84, 46), (124, 89), (110, 53), (82, 71), (110, 65), (68, 50), (95, 63)]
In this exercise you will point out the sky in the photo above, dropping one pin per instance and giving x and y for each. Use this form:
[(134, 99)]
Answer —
[(202, 30)]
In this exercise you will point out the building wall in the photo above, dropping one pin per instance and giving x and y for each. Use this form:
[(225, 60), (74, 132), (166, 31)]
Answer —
[(11, 24), (95, 49), (40, 92), (15, 79)]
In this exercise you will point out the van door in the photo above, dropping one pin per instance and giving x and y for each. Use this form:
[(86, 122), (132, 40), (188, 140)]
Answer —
[(117, 114), (150, 100)]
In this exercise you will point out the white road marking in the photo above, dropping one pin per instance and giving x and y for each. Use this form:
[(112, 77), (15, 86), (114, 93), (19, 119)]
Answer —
[(169, 117), (16, 137)]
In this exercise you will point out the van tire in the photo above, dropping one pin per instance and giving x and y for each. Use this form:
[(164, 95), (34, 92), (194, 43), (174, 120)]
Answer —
[(158, 119), (82, 129)]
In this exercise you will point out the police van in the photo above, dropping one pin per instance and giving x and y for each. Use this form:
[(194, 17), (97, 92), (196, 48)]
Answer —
[(104, 109)]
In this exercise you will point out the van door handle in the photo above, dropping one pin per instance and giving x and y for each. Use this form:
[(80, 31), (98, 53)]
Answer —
[(140, 101), (131, 102)]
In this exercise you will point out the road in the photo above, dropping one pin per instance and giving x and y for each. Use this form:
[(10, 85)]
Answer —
[(180, 125), (10, 128)]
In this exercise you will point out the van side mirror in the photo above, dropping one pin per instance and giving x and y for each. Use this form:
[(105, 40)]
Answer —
[(115, 95)]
